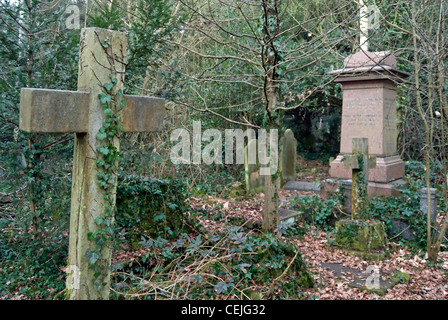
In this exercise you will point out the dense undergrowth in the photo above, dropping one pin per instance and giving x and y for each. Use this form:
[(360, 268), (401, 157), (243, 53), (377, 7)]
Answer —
[(164, 251), (405, 222), (175, 256)]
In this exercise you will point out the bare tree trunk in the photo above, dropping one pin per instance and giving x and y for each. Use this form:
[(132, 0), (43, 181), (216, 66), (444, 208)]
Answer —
[(430, 25), (270, 62), (425, 123), (440, 54)]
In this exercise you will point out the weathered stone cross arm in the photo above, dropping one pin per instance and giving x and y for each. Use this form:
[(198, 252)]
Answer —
[(360, 158), (44, 110), (351, 161)]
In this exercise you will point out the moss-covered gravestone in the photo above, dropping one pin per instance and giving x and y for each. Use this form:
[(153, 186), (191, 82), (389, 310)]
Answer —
[(359, 233), (96, 114)]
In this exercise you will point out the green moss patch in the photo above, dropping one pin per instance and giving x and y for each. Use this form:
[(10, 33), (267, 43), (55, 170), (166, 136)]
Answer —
[(364, 236)]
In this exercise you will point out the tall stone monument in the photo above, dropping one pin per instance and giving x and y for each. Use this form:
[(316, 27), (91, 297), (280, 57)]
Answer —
[(369, 83)]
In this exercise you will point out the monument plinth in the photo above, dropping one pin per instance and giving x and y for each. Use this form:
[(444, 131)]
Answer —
[(369, 83)]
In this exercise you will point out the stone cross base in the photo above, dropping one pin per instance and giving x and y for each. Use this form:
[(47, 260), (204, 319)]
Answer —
[(387, 169), (376, 189)]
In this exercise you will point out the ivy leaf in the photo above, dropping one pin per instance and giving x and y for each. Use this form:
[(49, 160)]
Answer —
[(92, 256), (146, 244), (197, 278), (104, 98), (104, 150), (221, 287), (159, 217), (108, 86), (101, 135), (172, 206)]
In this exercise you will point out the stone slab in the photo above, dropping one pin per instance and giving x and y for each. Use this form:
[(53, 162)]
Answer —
[(303, 186), (401, 229), (356, 278), (290, 215)]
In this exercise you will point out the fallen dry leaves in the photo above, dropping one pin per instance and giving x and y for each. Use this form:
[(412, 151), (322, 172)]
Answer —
[(425, 282)]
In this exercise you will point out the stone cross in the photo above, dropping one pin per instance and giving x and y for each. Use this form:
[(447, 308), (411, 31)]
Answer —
[(80, 112), (360, 162)]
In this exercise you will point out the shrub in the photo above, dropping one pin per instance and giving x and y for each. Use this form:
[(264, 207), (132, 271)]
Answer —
[(404, 209), (320, 212), (150, 206)]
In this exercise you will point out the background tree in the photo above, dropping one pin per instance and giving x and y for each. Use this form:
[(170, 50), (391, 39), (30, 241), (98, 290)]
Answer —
[(427, 58), (244, 60)]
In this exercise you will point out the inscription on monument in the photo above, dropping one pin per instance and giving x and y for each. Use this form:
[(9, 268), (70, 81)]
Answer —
[(362, 111)]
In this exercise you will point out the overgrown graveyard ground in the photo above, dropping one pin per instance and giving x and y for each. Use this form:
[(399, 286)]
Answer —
[(413, 277), (425, 281), (312, 170), (223, 254)]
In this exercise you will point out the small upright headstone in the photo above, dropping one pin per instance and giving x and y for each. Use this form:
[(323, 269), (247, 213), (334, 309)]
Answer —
[(346, 189), (288, 157), (424, 202)]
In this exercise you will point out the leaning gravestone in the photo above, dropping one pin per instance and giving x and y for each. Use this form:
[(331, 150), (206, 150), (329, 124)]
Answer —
[(288, 157), (85, 112)]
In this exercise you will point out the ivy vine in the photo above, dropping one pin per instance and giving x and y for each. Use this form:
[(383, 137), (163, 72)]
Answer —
[(108, 157)]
